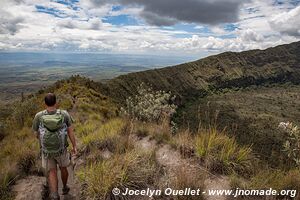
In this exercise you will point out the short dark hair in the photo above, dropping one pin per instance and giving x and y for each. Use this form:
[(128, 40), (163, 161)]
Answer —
[(50, 99)]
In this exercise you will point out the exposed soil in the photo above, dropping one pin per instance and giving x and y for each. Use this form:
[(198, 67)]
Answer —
[(33, 187)]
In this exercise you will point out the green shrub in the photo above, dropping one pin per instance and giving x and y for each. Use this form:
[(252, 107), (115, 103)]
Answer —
[(149, 105), (292, 145)]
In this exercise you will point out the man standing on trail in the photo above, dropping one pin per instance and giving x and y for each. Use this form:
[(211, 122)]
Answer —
[(52, 127)]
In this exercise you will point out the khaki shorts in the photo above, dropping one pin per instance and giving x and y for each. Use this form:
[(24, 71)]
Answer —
[(51, 163)]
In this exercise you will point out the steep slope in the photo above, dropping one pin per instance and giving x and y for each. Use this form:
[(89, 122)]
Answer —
[(250, 111), (252, 115), (226, 70)]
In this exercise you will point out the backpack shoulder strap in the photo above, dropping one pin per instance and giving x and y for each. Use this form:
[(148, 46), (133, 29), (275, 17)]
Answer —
[(43, 113)]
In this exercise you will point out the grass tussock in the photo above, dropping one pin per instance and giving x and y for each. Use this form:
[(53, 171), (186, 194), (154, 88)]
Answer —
[(276, 179), (184, 179), (222, 154), (86, 128), (129, 170), (158, 131), (106, 133), (183, 141), (6, 180)]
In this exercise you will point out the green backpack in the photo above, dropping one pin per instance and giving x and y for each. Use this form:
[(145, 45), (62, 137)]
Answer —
[(53, 133)]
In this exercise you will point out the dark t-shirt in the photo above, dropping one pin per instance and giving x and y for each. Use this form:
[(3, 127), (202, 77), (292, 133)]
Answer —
[(36, 120)]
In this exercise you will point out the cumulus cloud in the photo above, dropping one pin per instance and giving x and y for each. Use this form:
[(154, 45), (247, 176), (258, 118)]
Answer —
[(287, 22), (9, 24), (24, 27), (250, 35), (91, 24)]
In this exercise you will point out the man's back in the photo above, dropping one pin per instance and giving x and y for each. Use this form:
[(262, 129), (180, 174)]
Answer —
[(52, 126)]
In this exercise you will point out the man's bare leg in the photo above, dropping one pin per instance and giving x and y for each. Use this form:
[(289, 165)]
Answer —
[(64, 178), (53, 183), (64, 175)]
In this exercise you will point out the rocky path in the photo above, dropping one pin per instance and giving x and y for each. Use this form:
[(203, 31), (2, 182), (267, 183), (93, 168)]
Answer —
[(172, 161)]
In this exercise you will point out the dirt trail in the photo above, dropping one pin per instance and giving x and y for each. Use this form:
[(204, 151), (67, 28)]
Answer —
[(74, 193), (172, 161), (32, 187)]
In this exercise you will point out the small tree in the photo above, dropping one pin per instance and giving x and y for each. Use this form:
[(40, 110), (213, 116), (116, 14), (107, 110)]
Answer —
[(149, 105), (292, 144)]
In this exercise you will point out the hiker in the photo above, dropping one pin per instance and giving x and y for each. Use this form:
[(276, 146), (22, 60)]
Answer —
[(52, 126)]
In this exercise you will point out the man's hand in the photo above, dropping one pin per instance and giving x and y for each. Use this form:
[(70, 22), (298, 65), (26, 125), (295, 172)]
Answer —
[(37, 135), (74, 151), (72, 139)]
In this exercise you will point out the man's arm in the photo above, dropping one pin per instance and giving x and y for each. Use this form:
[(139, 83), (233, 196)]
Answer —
[(36, 133), (72, 139), (35, 125)]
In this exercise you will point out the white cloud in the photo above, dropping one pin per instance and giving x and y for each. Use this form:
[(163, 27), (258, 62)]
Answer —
[(250, 35), (91, 24), (23, 28), (10, 24), (218, 30), (287, 22)]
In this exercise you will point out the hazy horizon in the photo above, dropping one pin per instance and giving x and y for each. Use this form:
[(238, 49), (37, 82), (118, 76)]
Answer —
[(93, 57)]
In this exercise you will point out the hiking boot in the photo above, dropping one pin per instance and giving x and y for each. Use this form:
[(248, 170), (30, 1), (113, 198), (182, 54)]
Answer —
[(65, 190), (54, 196), (45, 191)]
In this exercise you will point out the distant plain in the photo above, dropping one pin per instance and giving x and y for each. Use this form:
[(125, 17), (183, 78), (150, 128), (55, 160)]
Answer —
[(28, 72)]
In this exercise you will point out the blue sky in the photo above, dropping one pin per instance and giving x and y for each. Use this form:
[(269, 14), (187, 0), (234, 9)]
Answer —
[(175, 27)]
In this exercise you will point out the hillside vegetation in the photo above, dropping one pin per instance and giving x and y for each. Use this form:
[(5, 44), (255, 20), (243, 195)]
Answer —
[(251, 115), (19, 146), (251, 92), (227, 70)]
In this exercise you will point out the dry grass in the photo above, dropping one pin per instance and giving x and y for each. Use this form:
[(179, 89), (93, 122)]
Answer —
[(88, 127), (129, 170), (222, 154), (106, 136), (184, 179), (276, 179), (184, 142), (18, 156), (216, 150), (6, 180)]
